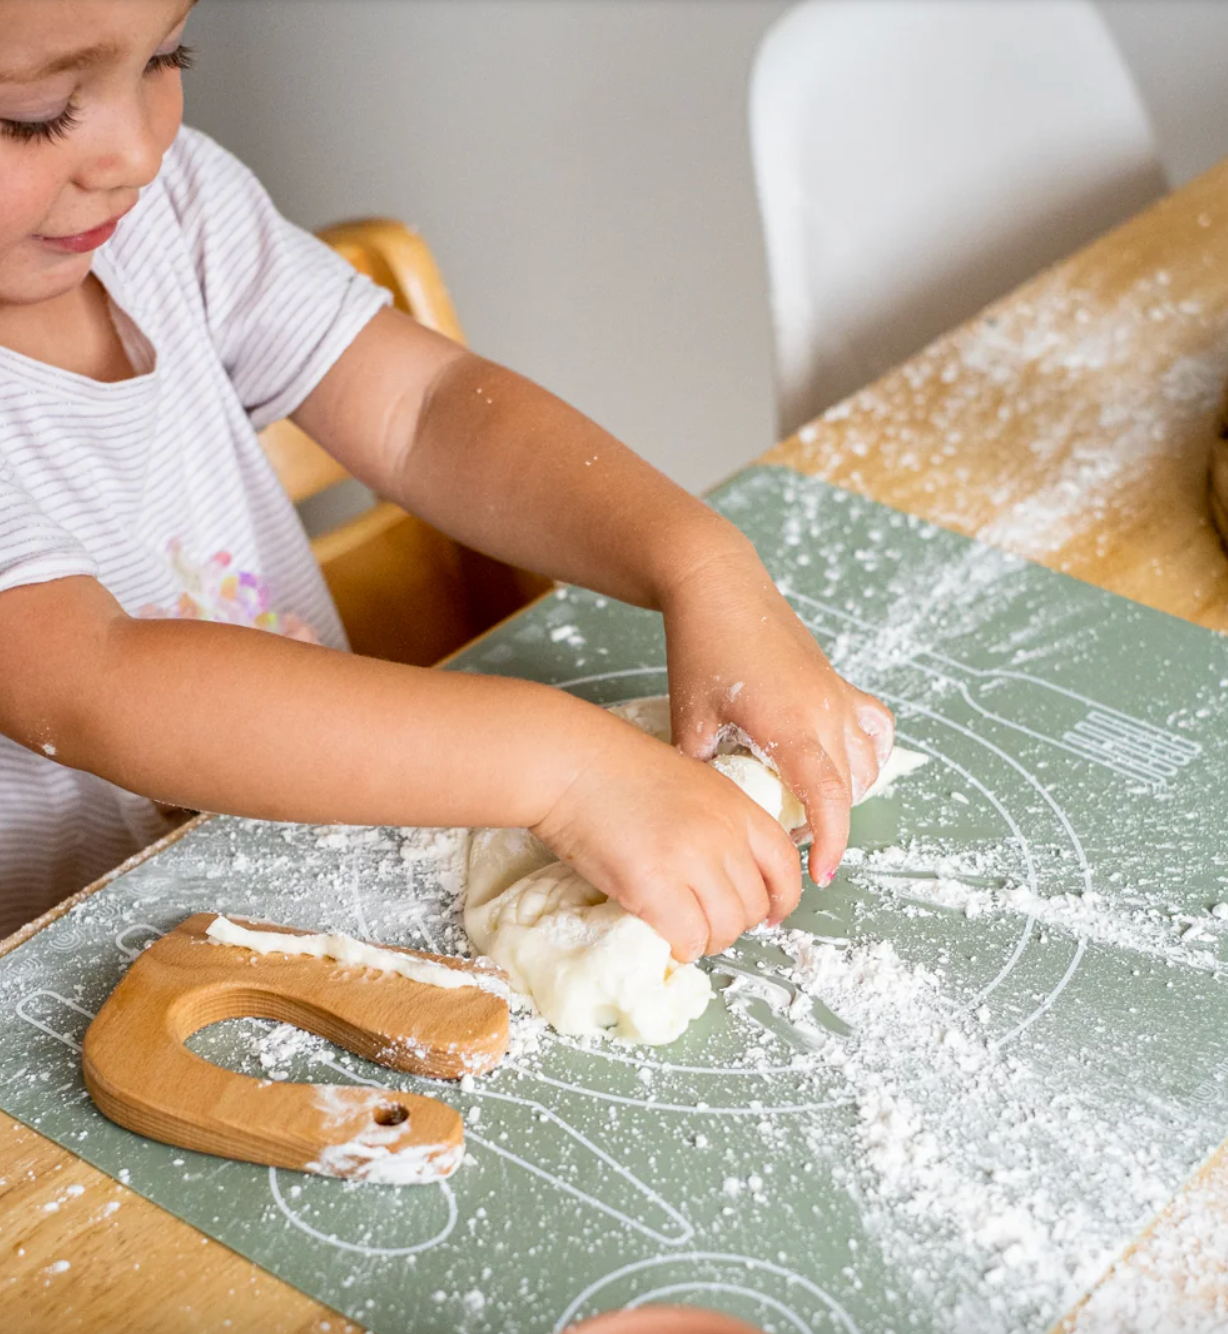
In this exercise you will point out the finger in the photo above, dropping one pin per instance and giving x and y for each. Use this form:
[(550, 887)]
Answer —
[(779, 863), (673, 911), (751, 888), (863, 762), (878, 722), (824, 791), (722, 908)]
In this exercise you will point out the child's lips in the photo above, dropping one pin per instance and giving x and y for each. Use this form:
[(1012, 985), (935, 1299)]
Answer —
[(80, 242)]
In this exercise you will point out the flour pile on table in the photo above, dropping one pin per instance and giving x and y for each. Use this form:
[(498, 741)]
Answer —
[(589, 966), (963, 881), (1142, 396)]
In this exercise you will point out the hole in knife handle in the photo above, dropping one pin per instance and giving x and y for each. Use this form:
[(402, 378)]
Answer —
[(391, 1114)]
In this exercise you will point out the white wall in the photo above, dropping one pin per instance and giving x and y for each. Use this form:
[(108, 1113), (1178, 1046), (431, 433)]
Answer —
[(580, 168), (1177, 51)]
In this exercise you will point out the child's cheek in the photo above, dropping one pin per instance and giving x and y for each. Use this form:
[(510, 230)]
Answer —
[(34, 179)]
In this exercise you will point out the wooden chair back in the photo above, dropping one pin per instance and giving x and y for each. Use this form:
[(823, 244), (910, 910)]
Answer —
[(1219, 473), (404, 590)]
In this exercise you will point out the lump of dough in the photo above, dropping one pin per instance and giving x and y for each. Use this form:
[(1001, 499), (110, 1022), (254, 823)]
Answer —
[(589, 966), (763, 787)]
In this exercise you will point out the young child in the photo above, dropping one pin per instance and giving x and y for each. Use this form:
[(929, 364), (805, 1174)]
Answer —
[(155, 312)]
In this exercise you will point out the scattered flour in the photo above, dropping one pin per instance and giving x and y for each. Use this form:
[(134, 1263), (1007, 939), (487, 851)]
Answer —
[(955, 882), (1106, 387), (963, 1153), (1176, 1279), (378, 1154), (283, 1045)]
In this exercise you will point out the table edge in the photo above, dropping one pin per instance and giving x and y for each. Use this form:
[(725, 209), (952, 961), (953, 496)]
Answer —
[(27, 932)]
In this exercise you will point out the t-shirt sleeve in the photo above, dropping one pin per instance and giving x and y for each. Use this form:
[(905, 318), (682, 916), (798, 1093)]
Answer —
[(280, 304), (34, 548)]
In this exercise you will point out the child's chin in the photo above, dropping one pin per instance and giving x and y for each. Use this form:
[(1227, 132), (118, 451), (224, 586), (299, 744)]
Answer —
[(48, 276)]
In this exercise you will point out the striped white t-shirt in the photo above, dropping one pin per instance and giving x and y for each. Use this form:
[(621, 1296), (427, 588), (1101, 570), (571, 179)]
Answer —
[(156, 485)]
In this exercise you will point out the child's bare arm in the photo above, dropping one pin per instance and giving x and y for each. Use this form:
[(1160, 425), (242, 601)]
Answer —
[(503, 465), (224, 718)]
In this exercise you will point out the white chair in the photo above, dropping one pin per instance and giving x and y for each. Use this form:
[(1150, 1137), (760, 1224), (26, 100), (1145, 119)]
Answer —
[(916, 159)]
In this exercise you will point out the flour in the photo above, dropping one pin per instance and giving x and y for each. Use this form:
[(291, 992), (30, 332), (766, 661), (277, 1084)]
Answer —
[(1104, 388), (376, 1154), (350, 952), (952, 881), (283, 1045), (972, 1163), (1175, 1280), (958, 1141)]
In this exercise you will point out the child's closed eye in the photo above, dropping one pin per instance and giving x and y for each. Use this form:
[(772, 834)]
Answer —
[(182, 57), (57, 127), (26, 131)]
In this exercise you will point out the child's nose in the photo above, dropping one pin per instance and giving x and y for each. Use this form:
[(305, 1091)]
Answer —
[(128, 150)]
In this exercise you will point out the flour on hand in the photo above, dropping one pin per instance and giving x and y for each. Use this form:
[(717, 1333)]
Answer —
[(590, 967)]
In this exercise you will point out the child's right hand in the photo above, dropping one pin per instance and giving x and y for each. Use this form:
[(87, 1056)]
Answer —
[(674, 841)]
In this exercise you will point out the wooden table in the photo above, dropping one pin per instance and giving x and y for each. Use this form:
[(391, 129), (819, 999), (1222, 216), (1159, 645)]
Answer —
[(1072, 424)]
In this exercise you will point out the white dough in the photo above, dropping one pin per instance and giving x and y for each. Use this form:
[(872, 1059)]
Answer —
[(347, 950), (589, 966), (763, 787), (900, 763)]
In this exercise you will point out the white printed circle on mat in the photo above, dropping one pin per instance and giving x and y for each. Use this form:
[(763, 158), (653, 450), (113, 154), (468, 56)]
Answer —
[(375, 1221)]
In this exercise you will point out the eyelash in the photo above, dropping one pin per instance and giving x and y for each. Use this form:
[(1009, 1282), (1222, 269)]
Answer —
[(28, 131), (182, 58)]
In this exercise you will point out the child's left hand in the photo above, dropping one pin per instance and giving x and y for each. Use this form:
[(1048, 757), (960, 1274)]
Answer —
[(740, 658)]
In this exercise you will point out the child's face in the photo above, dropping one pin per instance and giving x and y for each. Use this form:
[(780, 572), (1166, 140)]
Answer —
[(90, 99)]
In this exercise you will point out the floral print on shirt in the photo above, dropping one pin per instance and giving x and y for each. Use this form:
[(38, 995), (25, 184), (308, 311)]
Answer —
[(214, 591)]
